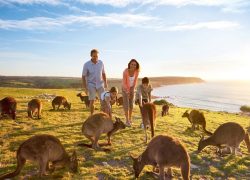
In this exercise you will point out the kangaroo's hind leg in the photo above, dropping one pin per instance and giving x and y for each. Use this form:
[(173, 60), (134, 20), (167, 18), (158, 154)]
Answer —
[(58, 106), (42, 166), (95, 144), (90, 138), (162, 174)]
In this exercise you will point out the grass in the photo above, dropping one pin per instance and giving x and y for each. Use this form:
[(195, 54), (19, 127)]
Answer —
[(66, 125)]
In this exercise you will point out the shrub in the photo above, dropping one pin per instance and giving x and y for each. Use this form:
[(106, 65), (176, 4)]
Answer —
[(162, 102), (245, 108)]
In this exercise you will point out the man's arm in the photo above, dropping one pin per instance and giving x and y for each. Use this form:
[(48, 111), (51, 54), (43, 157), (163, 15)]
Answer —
[(84, 78), (105, 80), (104, 77), (84, 85)]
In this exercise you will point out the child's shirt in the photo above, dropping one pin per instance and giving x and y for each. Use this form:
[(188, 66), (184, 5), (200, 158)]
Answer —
[(143, 92), (105, 95)]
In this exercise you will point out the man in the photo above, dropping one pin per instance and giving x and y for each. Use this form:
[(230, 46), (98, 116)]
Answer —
[(93, 78)]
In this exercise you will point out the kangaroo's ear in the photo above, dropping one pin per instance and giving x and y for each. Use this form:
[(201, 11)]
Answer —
[(74, 156), (133, 158), (117, 119), (202, 137)]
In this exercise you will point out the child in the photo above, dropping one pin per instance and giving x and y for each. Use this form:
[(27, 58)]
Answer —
[(107, 97), (143, 93)]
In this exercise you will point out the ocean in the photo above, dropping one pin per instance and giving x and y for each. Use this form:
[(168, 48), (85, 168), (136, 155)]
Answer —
[(216, 96)]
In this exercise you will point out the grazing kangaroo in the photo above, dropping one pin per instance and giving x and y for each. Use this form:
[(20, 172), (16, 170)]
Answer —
[(164, 151), (197, 118), (43, 149), (8, 106), (34, 107), (165, 109), (60, 100), (98, 124), (230, 134), (84, 99), (119, 101), (148, 113)]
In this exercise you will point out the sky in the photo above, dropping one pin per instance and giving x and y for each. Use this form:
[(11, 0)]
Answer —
[(209, 39)]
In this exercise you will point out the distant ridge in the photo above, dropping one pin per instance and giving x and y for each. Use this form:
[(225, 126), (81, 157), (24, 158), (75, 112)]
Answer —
[(53, 82)]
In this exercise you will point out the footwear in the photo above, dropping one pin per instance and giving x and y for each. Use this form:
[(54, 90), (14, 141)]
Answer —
[(128, 124), (142, 126)]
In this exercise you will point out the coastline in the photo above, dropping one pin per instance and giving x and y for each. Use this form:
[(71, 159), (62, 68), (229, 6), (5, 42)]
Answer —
[(47, 82), (211, 96)]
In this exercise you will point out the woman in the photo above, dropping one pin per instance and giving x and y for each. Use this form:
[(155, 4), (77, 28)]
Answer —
[(130, 77)]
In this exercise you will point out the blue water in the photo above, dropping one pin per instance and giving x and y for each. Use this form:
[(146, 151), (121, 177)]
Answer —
[(215, 96)]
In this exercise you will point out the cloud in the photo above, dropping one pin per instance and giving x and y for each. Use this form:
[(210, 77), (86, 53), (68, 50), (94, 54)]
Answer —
[(179, 3), (123, 3), (51, 2), (124, 20), (201, 25), (45, 23), (30, 23)]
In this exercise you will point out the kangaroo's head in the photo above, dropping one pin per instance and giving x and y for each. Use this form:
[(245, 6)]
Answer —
[(201, 144), (137, 165), (67, 105), (73, 165), (185, 114), (119, 124)]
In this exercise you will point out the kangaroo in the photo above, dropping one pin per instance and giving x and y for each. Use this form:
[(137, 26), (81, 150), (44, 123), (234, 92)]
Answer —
[(148, 113), (119, 101), (197, 118), (35, 107), (84, 99), (60, 100), (230, 134), (8, 106), (100, 123), (43, 149), (163, 151), (165, 109)]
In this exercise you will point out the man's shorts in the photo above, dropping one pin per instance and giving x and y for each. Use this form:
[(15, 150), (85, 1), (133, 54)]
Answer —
[(92, 92)]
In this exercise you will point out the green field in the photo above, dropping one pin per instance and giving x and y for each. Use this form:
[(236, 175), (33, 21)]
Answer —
[(66, 125)]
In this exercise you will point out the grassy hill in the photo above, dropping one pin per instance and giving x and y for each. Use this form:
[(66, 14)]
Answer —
[(71, 82), (66, 125)]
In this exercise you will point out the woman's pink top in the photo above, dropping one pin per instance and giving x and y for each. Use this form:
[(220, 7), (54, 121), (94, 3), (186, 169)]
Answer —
[(125, 80)]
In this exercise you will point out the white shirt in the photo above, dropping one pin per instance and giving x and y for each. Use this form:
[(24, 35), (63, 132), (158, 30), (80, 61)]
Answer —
[(105, 94), (131, 81)]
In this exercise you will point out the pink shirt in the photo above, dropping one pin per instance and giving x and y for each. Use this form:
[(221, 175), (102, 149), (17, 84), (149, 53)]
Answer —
[(125, 80)]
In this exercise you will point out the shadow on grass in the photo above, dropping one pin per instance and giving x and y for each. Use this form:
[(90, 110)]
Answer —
[(190, 132), (50, 128)]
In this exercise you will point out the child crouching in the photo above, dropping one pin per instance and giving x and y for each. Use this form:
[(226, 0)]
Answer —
[(107, 97)]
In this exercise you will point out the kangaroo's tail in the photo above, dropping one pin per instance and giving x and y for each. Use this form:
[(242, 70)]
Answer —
[(205, 130), (20, 163)]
